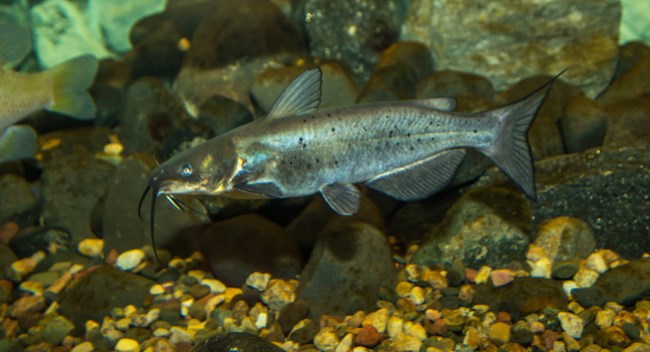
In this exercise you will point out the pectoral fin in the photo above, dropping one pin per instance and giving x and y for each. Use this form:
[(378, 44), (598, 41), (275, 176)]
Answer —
[(17, 143), (342, 198), (264, 189), (420, 179)]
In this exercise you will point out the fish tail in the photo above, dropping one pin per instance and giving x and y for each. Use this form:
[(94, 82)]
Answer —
[(71, 81), (511, 151)]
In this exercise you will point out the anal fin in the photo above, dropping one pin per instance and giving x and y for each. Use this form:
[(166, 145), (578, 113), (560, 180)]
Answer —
[(17, 143), (420, 179), (342, 198)]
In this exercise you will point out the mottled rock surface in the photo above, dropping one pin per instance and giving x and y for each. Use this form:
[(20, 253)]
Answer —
[(607, 188), (236, 341), (19, 203), (626, 284), (484, 227), (507, 43), (346, 270), (237, 247), (355, 32)]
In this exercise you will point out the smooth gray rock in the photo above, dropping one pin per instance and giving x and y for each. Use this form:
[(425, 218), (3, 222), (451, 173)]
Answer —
[(237, 247), (397, 73), (122, 227), (634, 83), (608, 188), (19, 203), (507, 43), (154, 119), (628, 123), (96, 293), (483, 227), (73, 179), (349, 266), (354, 31), (583, 125), (236, 341), (233, 43), (626, 284)]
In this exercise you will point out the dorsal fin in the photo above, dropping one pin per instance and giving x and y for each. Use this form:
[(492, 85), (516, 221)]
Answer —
[(302, 96)]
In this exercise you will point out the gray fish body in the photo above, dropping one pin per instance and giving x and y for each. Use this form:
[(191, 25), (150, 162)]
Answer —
[(301, 154), (408, 149)]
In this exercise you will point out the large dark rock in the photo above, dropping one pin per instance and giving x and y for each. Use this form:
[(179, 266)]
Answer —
[(96, 293), (349, 266), (353, 31), (608, 188), (522, 297), (483, 227), (507, 43), (228, 51), (19, 203), (154, 119), (236, 341), (237, 247), (74, 179), (122, 227), (626, 284)]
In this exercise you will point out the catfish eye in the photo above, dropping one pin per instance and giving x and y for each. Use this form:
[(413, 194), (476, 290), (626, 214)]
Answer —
[(186, 170)]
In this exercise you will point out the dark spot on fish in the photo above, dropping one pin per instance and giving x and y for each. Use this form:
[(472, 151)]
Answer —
[(408, 135), (300, 140), (390, 135), (305, 121), (304, 146), (365, 129), (412, 148), (333, 129), (336, 162), (329, 115), (386, 116), (475, 131), (317, 161), (291, 163), (419, 140)]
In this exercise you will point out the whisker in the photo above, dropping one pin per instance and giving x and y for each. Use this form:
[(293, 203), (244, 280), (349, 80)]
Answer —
[(141, 201), (182, 206), (175, 203), (154, 196)]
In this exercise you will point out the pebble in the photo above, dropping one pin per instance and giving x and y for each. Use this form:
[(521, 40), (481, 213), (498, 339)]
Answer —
[(179, 334), (27, 305), (589, 296), (542, 268), (604, 319), (127, 345), (499, 333), (346, 343), (416, 330), (157, 289), (434, 278), (279, 293), (23, 267), (502, 277), (394, 326), (571, 323), (405, 342), (403, 288), (85, 346), (91, 247), (585, 277), (483, 275), (33, 287), (258, 281), (378, 319), (568, 286), (416, 295), (130, 259), (367, 336), (565, 269), (596, 262), (216, 286), (326, 340)]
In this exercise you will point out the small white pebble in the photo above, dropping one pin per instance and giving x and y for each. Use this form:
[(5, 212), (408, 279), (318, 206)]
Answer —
[(406, 342), (216, 286), (156, 290), (345, 344), (130, 310), (161, 332), (113, 148), (262, 320), (130, 259), (596, 262), (567, 286), (91, 247), (33, 287), (326, 340), (416, 295), (394, 326), (378, 319), (416, 330), (604, 318), (541, 268), (571, 323), (86, 346), (258, 281), (197, 274), (585, 277), (179, 334), (75, 268), (127, 345)]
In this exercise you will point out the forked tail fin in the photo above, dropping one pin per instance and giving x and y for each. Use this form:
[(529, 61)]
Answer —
[(511, 151), (71, 81)]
